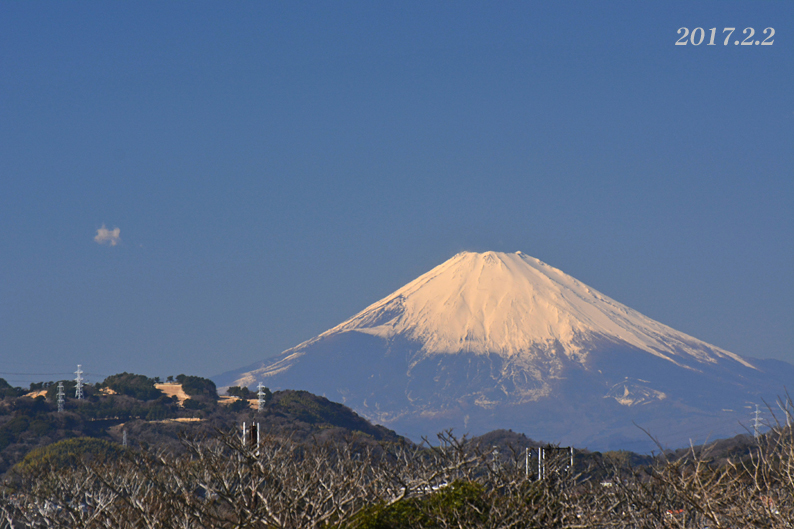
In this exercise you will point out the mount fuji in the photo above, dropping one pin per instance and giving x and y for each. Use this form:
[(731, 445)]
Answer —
[(496, 340)]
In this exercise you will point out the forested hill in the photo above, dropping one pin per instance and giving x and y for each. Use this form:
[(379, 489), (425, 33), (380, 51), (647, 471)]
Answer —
[(152, 414)]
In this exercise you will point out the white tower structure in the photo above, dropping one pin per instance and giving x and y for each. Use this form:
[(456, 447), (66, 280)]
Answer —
[(261, 395), (756, 422), (78, 390), (60, 396)]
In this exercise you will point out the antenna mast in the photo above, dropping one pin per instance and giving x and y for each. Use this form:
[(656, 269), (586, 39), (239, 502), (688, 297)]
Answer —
[(78, 390)]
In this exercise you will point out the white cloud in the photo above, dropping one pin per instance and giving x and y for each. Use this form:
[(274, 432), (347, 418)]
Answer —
[(106, 236)]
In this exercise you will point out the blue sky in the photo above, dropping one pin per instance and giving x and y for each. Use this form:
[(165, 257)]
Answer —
[(273, 168)]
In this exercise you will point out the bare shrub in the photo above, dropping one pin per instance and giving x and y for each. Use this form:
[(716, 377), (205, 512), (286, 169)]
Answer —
[(224, 482)]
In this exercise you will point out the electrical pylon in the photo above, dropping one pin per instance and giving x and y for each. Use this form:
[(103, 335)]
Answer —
[(78, 389), (60, 397)]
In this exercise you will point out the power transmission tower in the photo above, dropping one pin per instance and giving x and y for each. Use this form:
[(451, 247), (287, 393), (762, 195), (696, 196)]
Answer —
[(78, 390), (60, 397), (261, 395), (756, 422)]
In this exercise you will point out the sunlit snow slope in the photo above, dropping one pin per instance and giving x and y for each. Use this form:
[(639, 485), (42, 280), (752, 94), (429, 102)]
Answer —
[(509, 303), (496, 340)]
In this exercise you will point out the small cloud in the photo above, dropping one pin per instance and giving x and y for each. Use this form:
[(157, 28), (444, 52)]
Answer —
[(106, 236)]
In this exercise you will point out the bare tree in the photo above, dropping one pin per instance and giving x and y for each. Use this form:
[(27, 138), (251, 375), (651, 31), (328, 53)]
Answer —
[(224, 482)]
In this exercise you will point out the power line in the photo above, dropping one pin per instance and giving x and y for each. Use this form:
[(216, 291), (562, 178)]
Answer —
[(11, 376), (39, 374)]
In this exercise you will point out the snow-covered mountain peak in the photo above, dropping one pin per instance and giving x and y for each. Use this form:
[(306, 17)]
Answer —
[(503, 340), (513, 305)]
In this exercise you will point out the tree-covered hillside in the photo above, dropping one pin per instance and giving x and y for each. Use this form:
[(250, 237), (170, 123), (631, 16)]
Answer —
[(129, 405)]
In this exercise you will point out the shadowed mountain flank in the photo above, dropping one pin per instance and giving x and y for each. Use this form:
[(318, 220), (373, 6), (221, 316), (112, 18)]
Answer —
[(494, 340)]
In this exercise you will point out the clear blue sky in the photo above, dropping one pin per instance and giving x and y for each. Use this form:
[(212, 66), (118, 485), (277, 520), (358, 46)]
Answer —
[(275, 167)]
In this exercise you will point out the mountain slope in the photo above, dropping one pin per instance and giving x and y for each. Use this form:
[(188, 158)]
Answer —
[(494, 340), (508, 303)]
